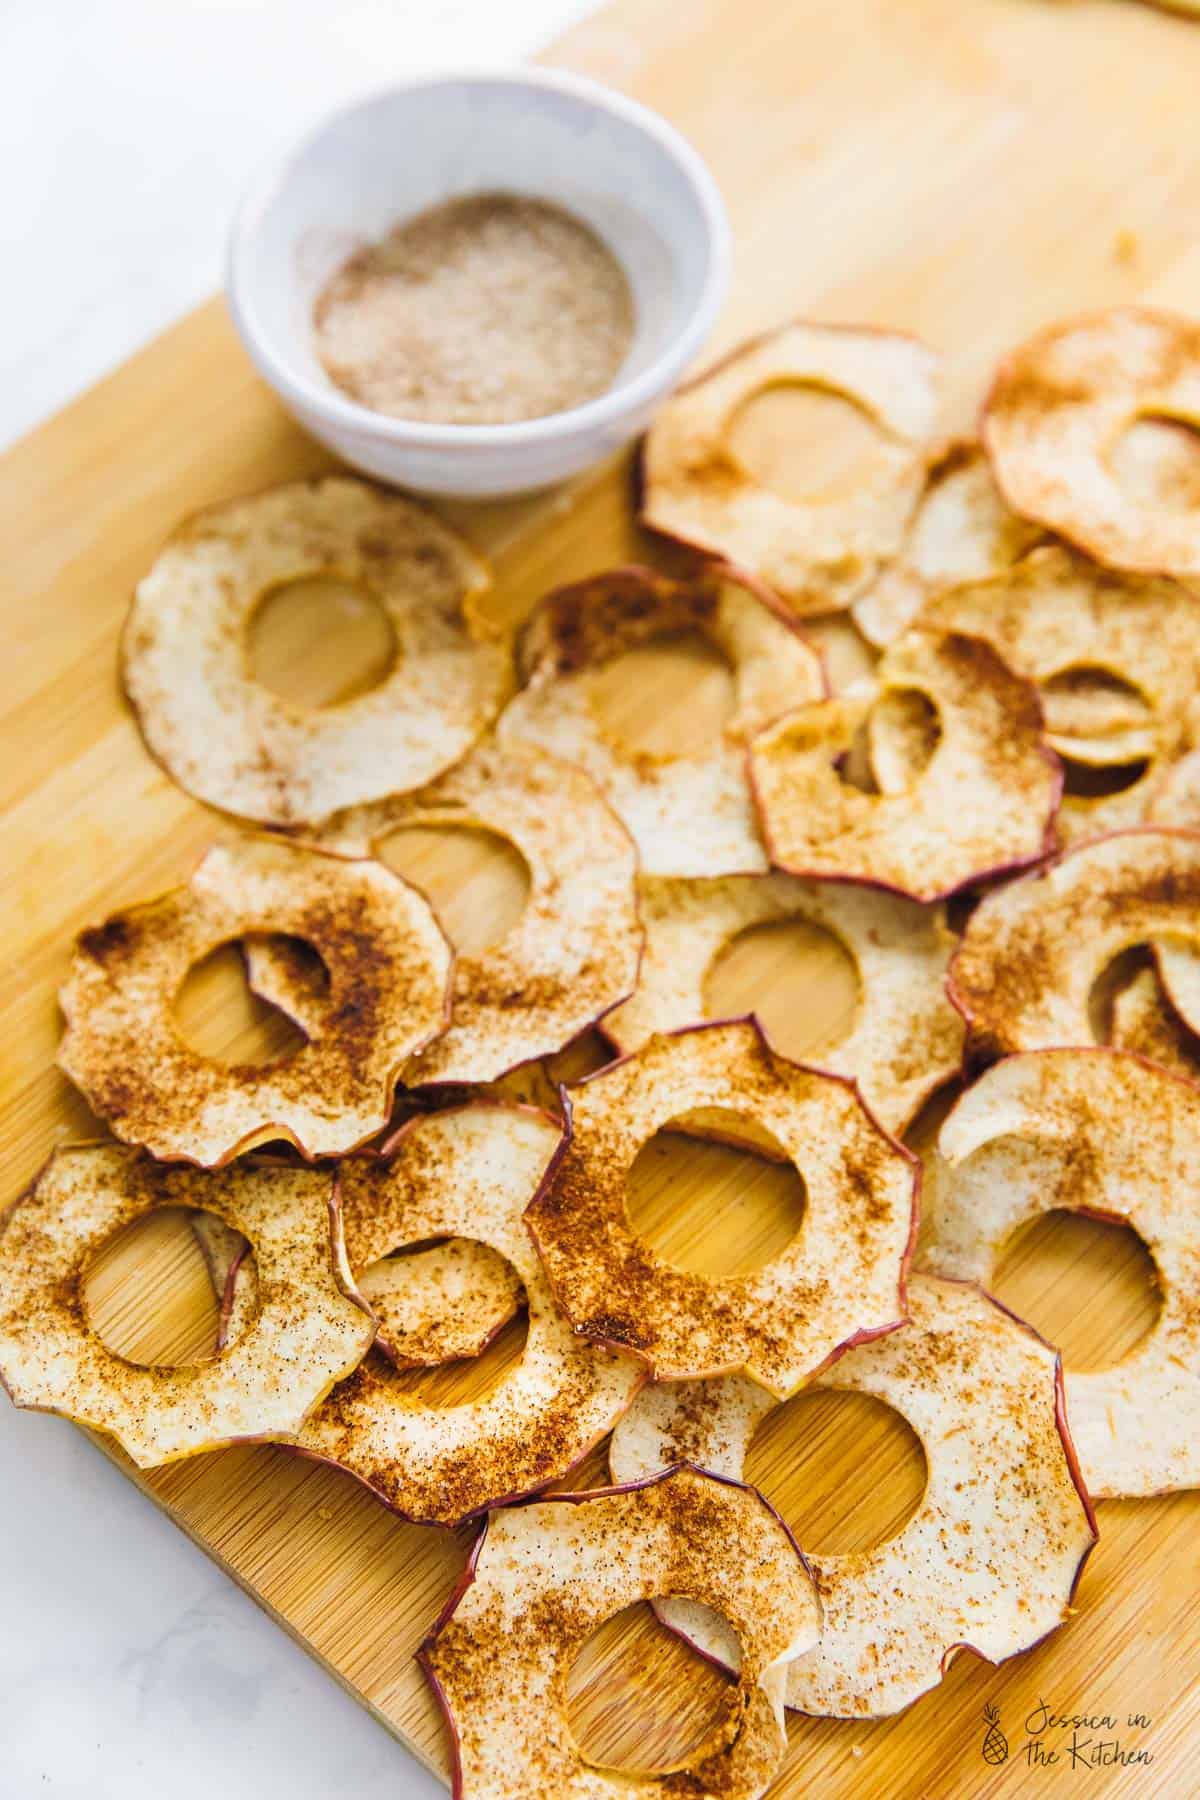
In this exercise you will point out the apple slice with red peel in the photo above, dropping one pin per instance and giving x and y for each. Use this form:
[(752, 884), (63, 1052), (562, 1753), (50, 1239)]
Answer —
[(469, 1171), (390, 969), (305, 1333), (1115, 661), (1145, 1022), (439, 1303), (442, 1301), (991, 1556), (905, 1038), (571, 956), (839, 1280), (1023, 975), (961, 531), (818, 553), (544, 1575), (1059, 404), (688, 811), (983, 803), (1091, 1131), (226, 738)]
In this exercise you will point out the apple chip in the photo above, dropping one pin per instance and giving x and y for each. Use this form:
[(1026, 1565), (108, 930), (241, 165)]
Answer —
[(991, 1556), (389, 972), (1023, 975), (1115, 660), (571, 955), (1060, 407), (441, 1303), (1091, 1131), (689, 813), (543, 1577), (228, 740), (468, 1172), (961, 531), (818, 553), (304, 1335), (841, 1279), (905, 1038), (982, 802), (437, 1303)]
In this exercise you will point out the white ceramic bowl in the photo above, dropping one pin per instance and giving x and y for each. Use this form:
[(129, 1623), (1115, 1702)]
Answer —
[(558, 137)]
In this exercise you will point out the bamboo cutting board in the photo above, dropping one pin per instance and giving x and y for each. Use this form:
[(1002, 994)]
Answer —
[(962, 168)]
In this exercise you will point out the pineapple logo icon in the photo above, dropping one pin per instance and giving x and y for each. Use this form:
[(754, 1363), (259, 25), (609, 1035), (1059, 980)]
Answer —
[(995, 1744)]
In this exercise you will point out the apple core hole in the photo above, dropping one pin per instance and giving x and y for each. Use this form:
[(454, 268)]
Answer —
[(640, 1699), (903, 731), (845, 1471), (320, 641), (797, 977), (1156, 463), (476, 880), (668, 698), (1096, 781), (855, 767), (219, 1016), (1089, 701), (465, 1379), (805, 442), (714, 1194), (148, 1295), (440, 1301), (1046, 1264), (1112, 979)]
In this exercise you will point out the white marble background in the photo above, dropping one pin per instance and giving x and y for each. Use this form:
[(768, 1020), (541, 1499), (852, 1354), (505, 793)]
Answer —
[(130, 1667)]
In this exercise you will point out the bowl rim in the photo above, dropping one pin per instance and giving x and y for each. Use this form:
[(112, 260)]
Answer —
[(337, 409)]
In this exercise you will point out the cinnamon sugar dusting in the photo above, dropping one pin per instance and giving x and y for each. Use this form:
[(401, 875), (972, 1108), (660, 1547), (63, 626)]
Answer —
[(389, 967), (485, 310)]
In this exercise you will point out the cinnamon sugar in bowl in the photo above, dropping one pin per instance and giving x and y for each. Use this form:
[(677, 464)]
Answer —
[(634, 209), (485, 310)]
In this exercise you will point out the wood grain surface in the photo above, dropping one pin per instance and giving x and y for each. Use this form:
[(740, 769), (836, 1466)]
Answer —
[(963, 168)]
